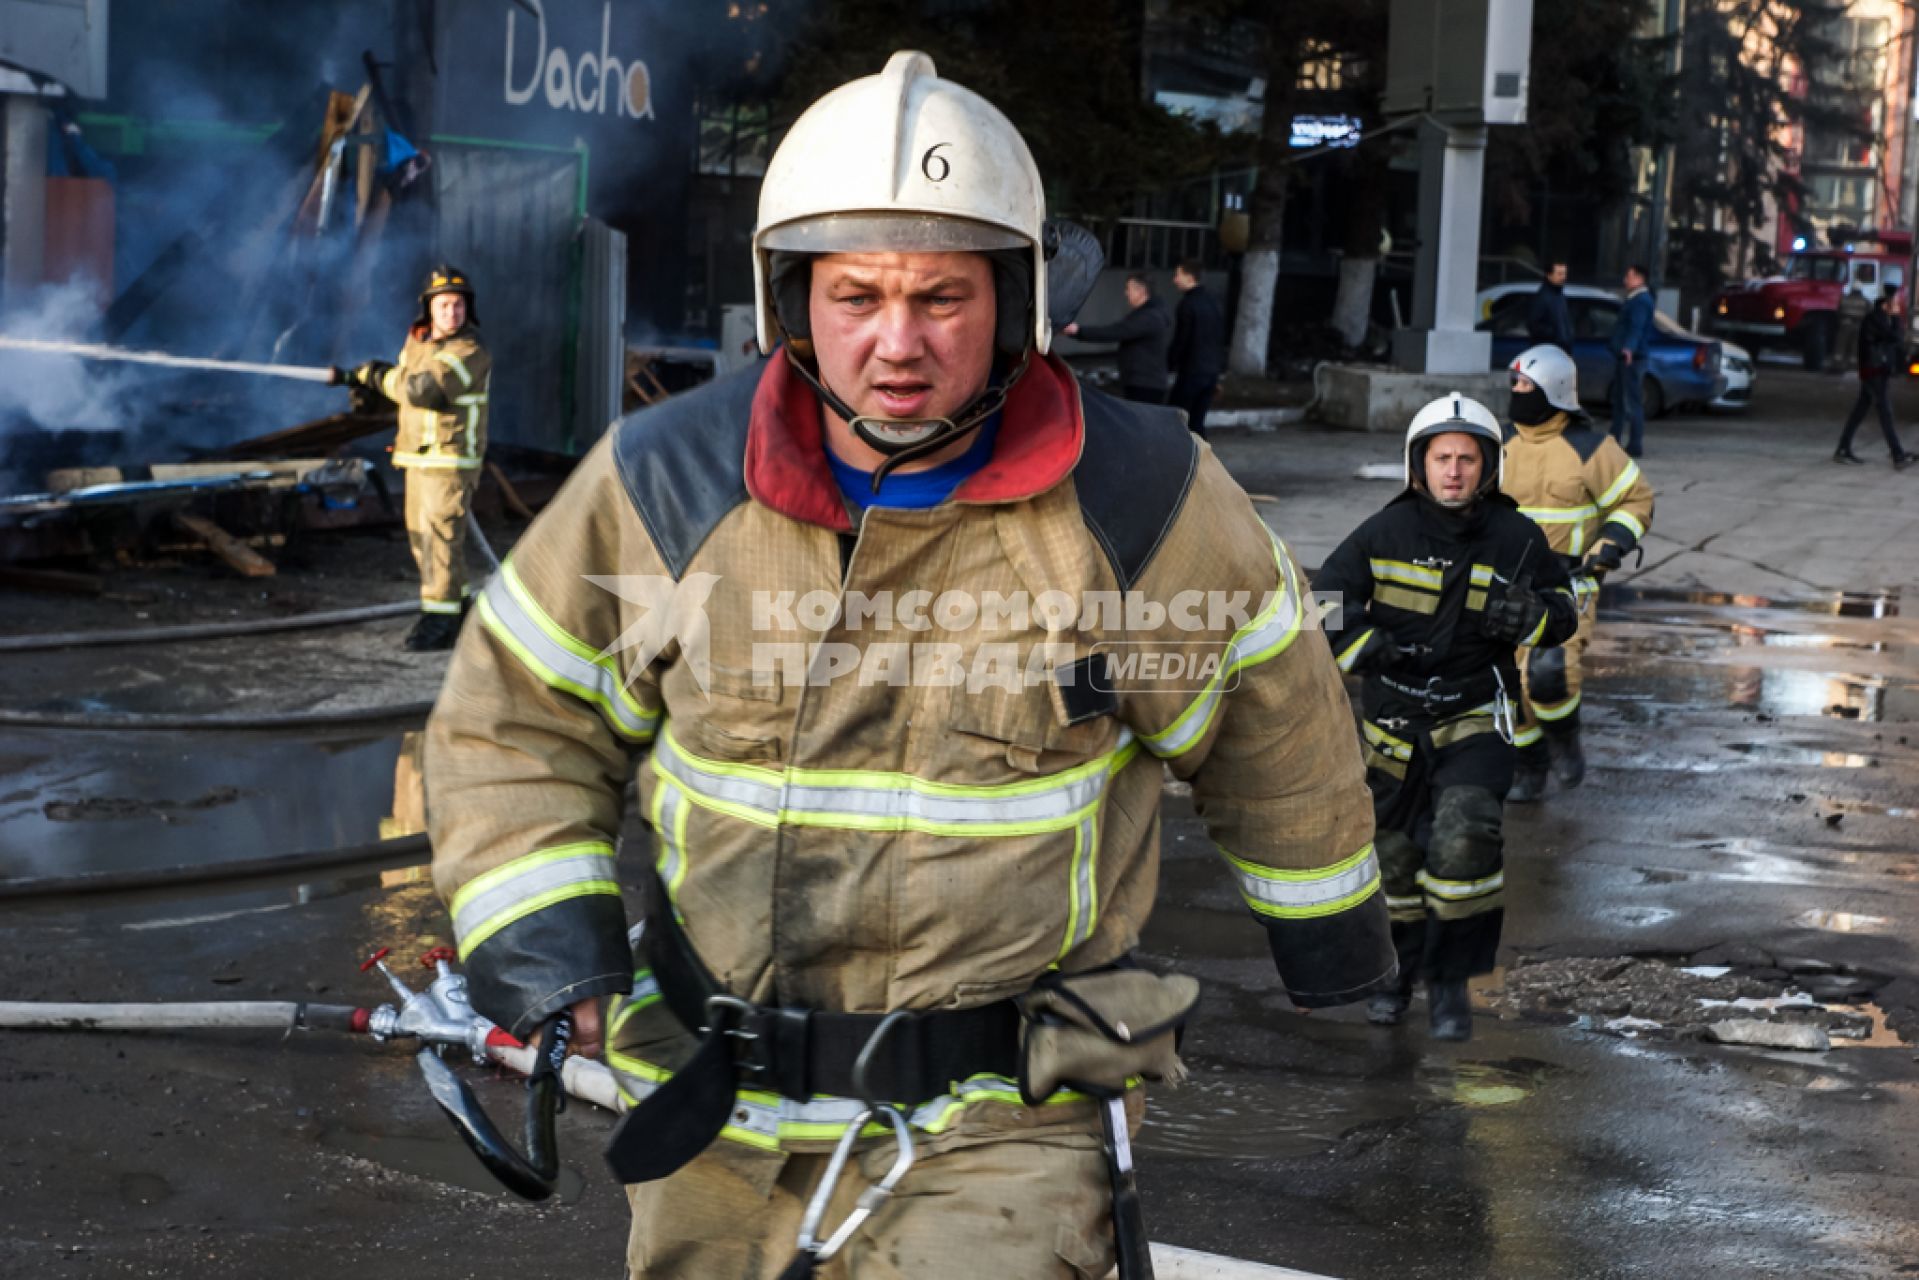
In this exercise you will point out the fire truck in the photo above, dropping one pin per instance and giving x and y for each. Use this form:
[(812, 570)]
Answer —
[(1799, 309)]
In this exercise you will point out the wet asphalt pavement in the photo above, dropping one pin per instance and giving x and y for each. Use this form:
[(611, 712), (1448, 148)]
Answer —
[(1751, 708)]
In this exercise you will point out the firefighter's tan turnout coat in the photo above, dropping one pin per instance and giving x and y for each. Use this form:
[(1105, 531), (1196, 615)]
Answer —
[(839, 831)]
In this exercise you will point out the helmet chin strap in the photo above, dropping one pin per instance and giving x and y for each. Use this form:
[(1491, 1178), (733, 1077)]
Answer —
[(945, 430)]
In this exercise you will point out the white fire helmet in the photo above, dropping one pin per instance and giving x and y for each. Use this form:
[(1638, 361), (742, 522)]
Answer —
[(901, 162), (1455, 411), (1553, 372)]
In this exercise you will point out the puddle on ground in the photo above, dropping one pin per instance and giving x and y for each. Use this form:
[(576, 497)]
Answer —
[(89, 803), (445, 1160), (1843, 604), (1240, 1116)]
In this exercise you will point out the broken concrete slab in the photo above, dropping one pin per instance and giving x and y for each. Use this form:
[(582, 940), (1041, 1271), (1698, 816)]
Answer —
[(1799, 1036)]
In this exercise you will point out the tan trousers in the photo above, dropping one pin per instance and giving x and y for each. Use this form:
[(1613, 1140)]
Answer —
[(1544, 714), (437, 502), (1028, 1204)]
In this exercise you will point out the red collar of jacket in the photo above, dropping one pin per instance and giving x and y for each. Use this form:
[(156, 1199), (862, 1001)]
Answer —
[(1040, 433)]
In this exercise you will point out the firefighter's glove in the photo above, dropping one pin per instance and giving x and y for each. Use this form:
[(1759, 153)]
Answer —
[(1096, 1031), (1513, 615), (1603, 561), (371, 375)]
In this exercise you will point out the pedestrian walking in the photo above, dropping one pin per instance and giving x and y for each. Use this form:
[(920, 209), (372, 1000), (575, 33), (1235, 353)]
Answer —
[(1880, 352), (1853, 310), (1631, 338), (1144, 336), (1198, 354), (1547, 319), (1436, 592)]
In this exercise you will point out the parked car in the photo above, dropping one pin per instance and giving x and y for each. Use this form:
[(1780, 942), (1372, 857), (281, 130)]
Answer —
[(1683, 368)]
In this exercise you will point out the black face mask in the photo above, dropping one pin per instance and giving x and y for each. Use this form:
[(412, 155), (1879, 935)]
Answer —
[(1529, 408)]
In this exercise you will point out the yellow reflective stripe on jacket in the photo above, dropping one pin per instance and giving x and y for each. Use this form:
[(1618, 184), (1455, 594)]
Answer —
[(1538, 632), (1265, 637), (1457, 890), (1617, 489), (872, 800), (456, 364), (1407, 598), (1306, 895), (1483, 575), (510, 613), (1386, 743), (1529, 735), (489, 903), (1628, 519), (390, 388), (437, 461), (1082, 902), (1560, 515), (668, 817), (1411, 574), (1350, 653), (765, 1120)]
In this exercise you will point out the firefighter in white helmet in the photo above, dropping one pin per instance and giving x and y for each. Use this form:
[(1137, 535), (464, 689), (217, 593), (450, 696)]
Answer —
[(1434, 594), (903, 802), (1578, 485)]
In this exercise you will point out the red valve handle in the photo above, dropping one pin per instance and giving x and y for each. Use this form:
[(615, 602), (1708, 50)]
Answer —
[(437, 954), (375, 958)]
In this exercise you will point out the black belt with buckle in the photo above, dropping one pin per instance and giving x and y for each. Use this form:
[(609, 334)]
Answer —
[(902, 1057)]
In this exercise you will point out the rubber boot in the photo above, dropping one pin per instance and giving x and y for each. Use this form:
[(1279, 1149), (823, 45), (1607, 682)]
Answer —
[(1451, 1010), (433, 631), (1409, 947), (1529, 775), (1568, 757)]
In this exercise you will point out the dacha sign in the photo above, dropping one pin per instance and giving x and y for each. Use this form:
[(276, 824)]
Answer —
[(595, 84)]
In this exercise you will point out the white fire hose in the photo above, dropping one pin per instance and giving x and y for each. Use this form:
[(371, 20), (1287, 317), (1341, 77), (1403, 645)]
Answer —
[(422, 1018)]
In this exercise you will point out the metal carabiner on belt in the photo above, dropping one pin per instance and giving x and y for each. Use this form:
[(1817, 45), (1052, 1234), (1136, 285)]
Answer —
[(813, 1250), (1505, 722)]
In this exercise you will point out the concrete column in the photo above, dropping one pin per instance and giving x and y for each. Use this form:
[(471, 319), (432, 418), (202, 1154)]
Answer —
[(1452, 170), (23, 194)]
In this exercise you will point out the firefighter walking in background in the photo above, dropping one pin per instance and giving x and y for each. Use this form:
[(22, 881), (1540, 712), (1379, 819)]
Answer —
[(1433, 594), (1578, 485), (440, 384), (870, 881)]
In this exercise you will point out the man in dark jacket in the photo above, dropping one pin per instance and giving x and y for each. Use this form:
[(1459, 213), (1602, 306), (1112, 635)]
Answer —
[(1631, 336), (1880, 352), (1144, 337), (1435, 593), (1198, 354), (1548, 320)]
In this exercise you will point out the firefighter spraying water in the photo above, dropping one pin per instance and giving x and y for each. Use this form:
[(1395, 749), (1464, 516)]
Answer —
[(95, 351)]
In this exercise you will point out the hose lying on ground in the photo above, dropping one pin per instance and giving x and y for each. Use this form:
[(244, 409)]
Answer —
[(11, 717), (583, 1078), (402, 852), (206, 630)]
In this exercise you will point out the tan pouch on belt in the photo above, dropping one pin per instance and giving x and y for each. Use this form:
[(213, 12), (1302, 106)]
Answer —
[(1096, 1031)]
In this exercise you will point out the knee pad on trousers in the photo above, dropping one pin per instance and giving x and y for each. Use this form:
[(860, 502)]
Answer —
[(1546, 676), (1399, 862), (1466, 843)]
